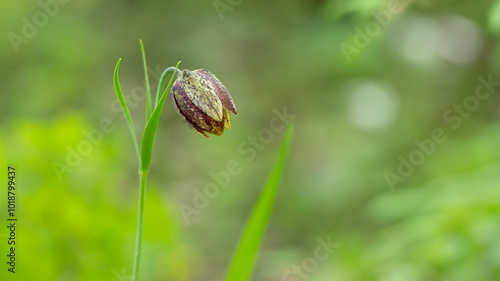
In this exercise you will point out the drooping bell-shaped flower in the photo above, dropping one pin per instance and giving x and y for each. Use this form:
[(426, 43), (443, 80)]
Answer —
[(202, 101)]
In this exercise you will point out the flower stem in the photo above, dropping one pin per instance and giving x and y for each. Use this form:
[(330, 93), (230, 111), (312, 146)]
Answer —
[(140, 219), (163, 80)]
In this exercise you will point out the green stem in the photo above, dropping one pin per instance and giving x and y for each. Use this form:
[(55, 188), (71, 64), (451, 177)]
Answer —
[(163, 80), (140, 220), (148, 137)]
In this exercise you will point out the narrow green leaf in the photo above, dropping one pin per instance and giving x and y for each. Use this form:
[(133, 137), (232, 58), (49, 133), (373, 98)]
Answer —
[(245, 255), (148, 137), (126, 112), (149, 106)]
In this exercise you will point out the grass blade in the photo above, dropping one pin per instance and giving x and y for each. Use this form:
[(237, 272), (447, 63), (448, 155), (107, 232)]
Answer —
[(244, 258), (126, 112), (149, 134), (149, 106)]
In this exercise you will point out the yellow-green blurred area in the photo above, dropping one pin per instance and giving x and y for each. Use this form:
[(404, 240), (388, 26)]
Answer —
[(396, 151)]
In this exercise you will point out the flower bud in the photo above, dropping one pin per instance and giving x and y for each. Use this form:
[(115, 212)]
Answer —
[(202, 101)]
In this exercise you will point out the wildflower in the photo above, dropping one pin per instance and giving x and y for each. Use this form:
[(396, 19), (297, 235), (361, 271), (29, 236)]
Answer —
[(202, 101)]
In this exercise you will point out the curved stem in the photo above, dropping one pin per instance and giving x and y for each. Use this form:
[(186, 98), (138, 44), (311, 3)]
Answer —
[(163, 80), (145, 160), (140, 219)]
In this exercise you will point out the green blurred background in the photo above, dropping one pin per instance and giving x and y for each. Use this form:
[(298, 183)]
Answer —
[(356, 116)]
